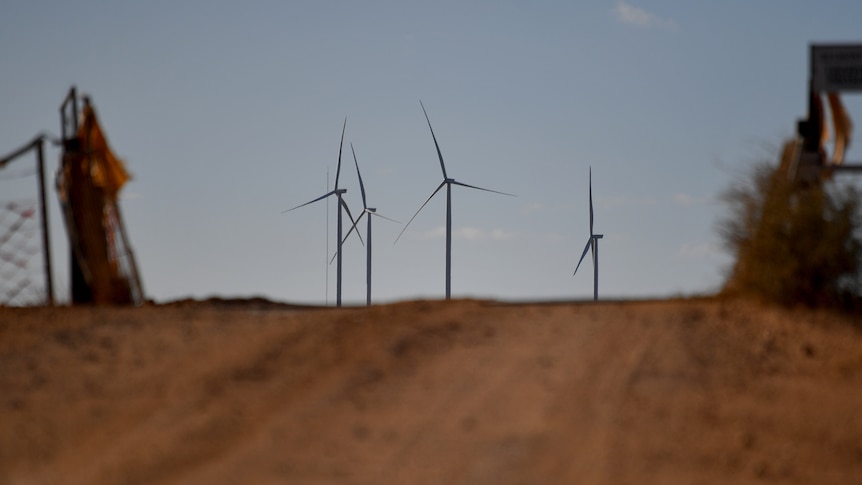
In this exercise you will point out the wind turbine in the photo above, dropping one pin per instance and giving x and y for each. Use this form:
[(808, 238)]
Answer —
[(341, 204), (592, 244), (448, 182), (371, 211)]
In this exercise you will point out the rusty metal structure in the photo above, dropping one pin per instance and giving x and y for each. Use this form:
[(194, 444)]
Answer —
[(103, 269), (834, 69)]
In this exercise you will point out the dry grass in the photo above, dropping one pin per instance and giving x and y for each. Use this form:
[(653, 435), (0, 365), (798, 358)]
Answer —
[(794, 243)]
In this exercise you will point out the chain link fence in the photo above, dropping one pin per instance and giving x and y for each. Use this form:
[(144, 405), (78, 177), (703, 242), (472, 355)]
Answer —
[(25, 267), (21, 269)]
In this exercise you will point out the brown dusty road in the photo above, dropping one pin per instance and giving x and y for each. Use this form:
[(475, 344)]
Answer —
[(430, 393)]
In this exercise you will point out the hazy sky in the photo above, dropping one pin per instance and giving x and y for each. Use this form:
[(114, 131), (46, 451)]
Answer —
[(227, 113)]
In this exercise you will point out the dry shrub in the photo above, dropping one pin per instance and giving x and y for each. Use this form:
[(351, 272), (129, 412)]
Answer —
[(794, 243)]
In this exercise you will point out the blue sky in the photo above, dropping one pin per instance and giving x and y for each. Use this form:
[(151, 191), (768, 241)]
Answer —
[(229, 113)]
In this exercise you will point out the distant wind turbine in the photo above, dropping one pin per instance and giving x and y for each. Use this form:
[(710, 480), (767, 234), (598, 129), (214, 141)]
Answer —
[(592, 244), (341, 204), (448, 182), (371, 211)]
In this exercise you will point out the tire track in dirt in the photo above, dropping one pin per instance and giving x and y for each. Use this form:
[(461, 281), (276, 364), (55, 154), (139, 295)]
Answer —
[(431, 392)]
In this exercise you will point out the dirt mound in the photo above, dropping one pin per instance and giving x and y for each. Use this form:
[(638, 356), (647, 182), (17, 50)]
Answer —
[(430, 392)]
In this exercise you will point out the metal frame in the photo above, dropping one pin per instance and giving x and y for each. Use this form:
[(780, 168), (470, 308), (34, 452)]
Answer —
[(81, 279), (816, 51), (38, 144)]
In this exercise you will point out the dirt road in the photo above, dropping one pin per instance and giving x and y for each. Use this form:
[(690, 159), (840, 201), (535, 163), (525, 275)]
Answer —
[(465, 392)]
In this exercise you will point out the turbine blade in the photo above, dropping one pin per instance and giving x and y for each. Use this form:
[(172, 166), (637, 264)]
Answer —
[(354, 226), (354, 221), (313, 201), (384, 217), (361, 186), (439, 155), (338, 170), (420, 209), (591, 201), (480, 188), (586, 248)]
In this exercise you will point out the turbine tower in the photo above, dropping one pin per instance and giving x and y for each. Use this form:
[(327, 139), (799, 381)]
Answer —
[(592, 244), (341, 204), (448, 182), (371, 211)]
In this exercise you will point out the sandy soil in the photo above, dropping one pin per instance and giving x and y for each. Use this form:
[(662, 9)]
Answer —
[(670, 392)]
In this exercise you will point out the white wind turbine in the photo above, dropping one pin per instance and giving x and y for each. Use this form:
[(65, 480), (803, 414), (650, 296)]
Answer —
[(592, 244), (341, 204), (370, 211), (448, 182)]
